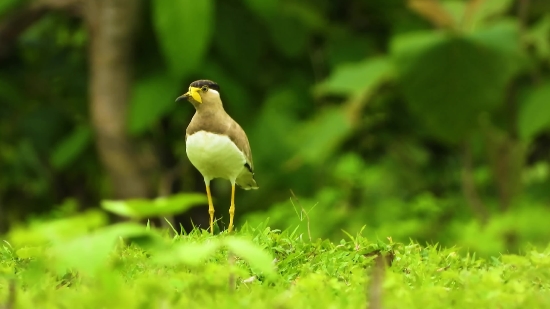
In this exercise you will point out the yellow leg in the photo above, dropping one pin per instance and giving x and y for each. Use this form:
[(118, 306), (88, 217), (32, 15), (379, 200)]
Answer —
[(232, 208), (210, 209)]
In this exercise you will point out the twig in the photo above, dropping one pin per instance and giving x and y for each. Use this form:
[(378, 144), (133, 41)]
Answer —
[(523, 14), (316, 58), (469, 188), (374, 293), (10, 302), (434, 12), (471, 9), (232, 279)]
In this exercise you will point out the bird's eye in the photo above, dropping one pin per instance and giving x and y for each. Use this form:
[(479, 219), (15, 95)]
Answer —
[(204, 88)]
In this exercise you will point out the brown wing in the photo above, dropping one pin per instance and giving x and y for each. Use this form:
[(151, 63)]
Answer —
[(238, 136)]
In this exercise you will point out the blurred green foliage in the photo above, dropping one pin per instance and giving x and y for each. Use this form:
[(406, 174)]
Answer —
[(421, 119), (143, 209), (131, 266)]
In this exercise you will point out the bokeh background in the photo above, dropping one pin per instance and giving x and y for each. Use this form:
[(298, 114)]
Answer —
[(425, 120)]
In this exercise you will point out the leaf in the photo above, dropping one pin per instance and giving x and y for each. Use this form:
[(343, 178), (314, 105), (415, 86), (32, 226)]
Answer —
[(456, 9), (309, 14), (6, 5), (348, 48), (29, 252), (318, 139), (407, 47), (191, 254), (290, 36), (131, 208), (89, 253), (252, 253), (231, 45), (184, 31), (152, 98), (449, 80), (57, 230), (353, 78), (178, 203), (143, 208), (85, 254), (534, 113), (503, 37), (274, 120), (71, 147), (538, 37), (9, 93), (263, 8), (433, 11), (486, 9)]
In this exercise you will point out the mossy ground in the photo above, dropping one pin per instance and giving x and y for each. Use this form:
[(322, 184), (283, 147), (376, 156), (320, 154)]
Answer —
[(257, 268)]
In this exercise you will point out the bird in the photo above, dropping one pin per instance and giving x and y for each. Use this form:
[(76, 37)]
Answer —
[(216, 145)]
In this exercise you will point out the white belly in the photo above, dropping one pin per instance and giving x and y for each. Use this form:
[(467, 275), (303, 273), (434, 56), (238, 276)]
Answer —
[(215, 156)]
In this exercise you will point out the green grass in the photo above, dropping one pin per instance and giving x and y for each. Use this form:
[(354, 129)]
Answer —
[(81, 263)]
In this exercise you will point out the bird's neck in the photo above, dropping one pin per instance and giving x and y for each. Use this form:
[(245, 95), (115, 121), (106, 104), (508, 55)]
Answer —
[(209, 119), (210, 109)]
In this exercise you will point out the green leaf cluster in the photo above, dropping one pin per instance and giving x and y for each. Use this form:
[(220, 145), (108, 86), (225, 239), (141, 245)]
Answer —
[(128, 265)]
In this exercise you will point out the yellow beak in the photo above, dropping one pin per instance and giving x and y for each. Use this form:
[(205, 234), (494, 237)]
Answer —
[(193, 93)]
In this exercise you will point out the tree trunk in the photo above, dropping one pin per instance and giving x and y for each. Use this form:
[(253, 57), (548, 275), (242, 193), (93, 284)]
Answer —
[(111, 26)]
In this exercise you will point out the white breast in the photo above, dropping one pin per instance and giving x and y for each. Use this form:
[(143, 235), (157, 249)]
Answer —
[(215, 156)]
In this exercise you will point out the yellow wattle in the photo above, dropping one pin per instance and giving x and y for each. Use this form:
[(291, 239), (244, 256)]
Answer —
[(195, 94)]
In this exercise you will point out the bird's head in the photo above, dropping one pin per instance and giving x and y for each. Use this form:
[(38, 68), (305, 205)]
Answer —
[(202, 92)]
